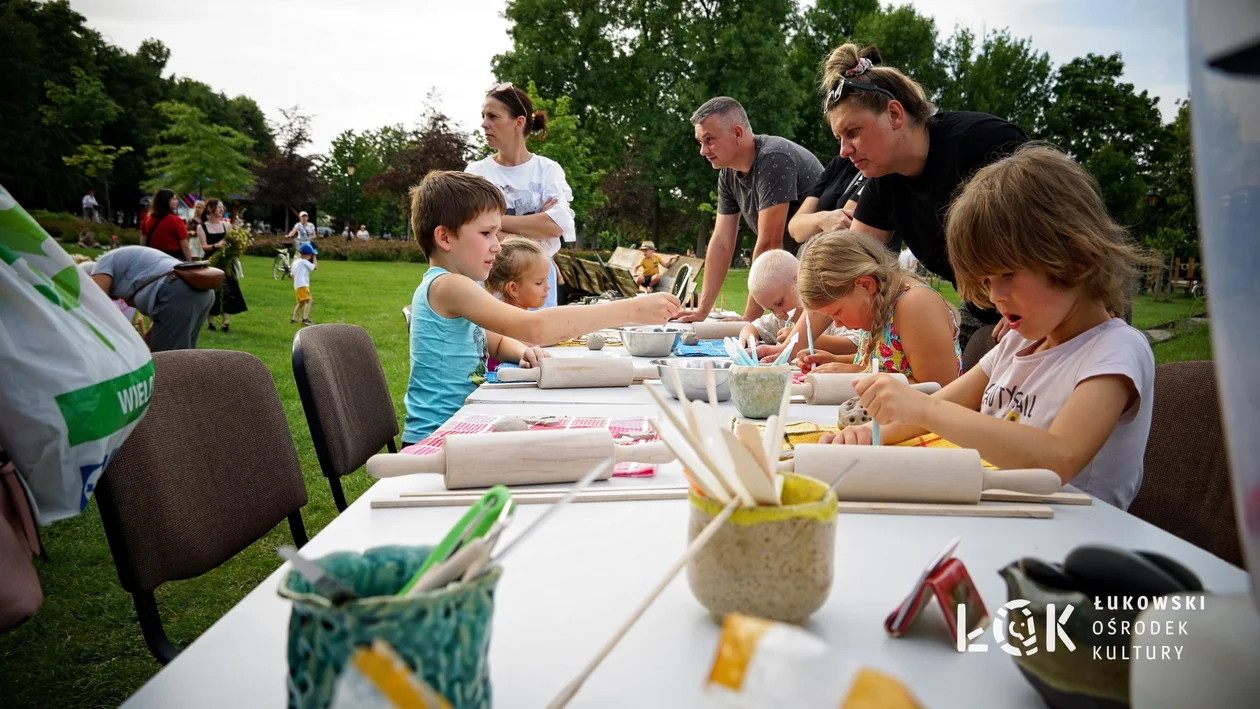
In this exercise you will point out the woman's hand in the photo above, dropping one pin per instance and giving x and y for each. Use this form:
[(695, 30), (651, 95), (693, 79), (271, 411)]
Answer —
[(551, 202), (860, 435), (889, 401), (835, 220), (531, 356)]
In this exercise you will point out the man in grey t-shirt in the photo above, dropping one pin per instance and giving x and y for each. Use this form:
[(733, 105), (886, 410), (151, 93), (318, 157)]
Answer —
[(138, 275), (763, 177)]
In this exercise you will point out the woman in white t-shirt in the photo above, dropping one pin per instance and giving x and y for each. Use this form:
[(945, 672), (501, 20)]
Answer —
[(533, 186), (1070, 387)]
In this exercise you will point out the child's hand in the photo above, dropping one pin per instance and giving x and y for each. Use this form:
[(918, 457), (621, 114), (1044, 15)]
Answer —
[(655, 308), (890, 401), (783, 334), (531, 356), (850, 436), (768, 353), (811, 362)]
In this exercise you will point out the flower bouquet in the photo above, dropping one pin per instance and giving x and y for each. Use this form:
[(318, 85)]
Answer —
[(228, 258)]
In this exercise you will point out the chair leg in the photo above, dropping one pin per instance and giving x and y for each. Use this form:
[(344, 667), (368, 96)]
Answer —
[(151, 627), (297, 529), (339, 495), (391, 447)]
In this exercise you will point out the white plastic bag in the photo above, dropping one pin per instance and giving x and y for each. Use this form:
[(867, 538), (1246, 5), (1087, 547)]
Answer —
[(75, 377)]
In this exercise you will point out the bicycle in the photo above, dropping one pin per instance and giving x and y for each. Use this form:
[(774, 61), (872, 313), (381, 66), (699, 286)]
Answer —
[(281, 266)]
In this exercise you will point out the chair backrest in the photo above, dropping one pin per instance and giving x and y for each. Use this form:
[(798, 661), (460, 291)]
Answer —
[(344, 394), (977, 347), (623, 281), (209, 470), (564, 269), (591, 276), (681, 282), (1186, 488)]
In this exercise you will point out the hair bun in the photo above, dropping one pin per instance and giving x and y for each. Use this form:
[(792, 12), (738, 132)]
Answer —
[(538, 124), (871, 53)]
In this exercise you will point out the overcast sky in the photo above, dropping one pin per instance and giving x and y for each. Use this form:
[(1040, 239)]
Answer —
[(366, 63)]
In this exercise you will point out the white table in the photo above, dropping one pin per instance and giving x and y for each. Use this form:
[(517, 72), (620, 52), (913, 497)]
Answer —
[(565, 592)]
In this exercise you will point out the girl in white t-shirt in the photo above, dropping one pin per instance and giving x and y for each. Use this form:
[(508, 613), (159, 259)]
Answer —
[(1070, 386), (533, 186)]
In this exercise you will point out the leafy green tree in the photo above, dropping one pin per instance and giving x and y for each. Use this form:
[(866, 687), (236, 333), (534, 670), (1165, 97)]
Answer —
[(82, 110), (1004, 76), (906, 40), (1092, 108), (567, 145), (289, 178), (198, 155)]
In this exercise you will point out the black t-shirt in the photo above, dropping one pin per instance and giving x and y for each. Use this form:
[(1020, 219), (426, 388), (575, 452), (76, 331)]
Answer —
[(914, 208), (841, 182)]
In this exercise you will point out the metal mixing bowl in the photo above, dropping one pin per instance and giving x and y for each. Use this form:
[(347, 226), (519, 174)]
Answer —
[(691, 374), (650, 340)]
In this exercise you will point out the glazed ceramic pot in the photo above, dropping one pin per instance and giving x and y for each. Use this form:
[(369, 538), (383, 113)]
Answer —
[(443, 635), (757, 391), (770, 562)]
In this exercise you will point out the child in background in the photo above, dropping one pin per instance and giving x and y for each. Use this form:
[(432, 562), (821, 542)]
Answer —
[(302, 282), (649, 267), (851, 278), (1070, 387), (519, 277), (772, 284), (456, 324)]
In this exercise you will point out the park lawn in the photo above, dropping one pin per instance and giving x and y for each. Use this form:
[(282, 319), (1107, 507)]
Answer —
[(84, 648)]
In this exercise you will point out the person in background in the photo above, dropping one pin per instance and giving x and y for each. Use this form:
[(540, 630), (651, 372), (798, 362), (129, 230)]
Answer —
[(1071, 386), (303, 232), (362, 234), (772, 283), (142, 277), (650, 267), (534, 187), (345, 233), (195, 247), (764, 178), (302, 269), (519, 277), (90, 207), (164, 230), (228, 299)]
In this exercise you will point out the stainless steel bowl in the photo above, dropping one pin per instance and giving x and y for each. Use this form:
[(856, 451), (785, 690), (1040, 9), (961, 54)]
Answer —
[(691, 374), (650, 340)]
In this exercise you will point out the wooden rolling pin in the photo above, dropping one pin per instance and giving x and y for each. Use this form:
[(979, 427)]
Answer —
[(717, 329), (831, 389), (893, 474), (579, 372), (518, 457)]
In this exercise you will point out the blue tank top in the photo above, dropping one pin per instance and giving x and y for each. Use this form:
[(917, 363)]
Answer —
[(448, 362)]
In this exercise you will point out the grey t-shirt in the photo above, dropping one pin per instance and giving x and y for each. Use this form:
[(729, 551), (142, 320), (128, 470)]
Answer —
[(782, 171), (131, 267)]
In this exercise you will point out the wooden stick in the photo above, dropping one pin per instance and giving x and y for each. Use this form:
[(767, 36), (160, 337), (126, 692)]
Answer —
[(622, 495), (1058, 498), (930, 509), (701, 539)]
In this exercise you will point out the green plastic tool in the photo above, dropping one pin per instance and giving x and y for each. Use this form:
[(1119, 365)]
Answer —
[(478, 520)]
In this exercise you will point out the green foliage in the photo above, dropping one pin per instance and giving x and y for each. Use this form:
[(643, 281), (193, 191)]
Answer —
[(1092, 108), (572, 149), (1005, 77), (96, 159), (82, 108), (1120, 179), (906, 40), (197, 155)]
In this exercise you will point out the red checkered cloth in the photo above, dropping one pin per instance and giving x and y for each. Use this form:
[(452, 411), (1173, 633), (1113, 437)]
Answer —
[(637, 426)]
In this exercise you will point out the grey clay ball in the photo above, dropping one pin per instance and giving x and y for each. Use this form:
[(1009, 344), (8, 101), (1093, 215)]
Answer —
[(595, 342), (510, 423), (690, 339)]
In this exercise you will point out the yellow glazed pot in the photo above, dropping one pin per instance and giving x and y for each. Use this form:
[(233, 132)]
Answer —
[(769, 562)]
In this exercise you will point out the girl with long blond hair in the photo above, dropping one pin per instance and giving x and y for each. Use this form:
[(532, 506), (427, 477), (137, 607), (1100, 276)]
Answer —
[(907, 326), (1070, 386)]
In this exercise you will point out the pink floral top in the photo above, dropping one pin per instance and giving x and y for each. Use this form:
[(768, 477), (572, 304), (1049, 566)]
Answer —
[(892, 358)]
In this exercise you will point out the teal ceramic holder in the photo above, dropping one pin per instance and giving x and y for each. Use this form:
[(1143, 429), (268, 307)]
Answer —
[(443, 635)]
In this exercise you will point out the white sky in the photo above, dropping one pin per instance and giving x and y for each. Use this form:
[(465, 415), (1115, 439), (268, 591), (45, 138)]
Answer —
[(366, 63)]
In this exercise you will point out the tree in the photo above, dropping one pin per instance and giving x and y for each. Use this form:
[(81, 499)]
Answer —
[(1006, 78), (566, 144), (1092, 108), (907, 41), (195, 154), (82, 110), (289, 178), (436, 145)]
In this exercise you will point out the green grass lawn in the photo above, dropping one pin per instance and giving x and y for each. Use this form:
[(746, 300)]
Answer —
[(84, 648)]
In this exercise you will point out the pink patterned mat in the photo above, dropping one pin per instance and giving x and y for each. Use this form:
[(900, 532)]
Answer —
[(636, 426)]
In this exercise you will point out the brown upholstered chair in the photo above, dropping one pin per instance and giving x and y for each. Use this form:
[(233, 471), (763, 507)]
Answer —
[(178, 500), (345, 397), (977, 347), (1186, 488)]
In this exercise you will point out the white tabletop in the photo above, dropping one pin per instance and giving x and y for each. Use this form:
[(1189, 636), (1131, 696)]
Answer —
[(565, 592)]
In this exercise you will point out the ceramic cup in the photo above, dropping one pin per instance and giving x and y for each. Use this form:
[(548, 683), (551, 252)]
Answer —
[(443, 635), (769, 562), (757, 391)]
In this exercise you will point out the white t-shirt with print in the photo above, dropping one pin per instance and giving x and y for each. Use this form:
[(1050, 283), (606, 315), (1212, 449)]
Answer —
[(527, 186), (1032, 388), (302, 273), (768, 327)]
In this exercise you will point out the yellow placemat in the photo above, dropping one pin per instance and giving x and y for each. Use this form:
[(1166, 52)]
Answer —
[(806, 432)]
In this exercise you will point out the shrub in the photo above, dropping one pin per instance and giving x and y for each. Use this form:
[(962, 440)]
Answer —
[(66, 227), (336, 249)]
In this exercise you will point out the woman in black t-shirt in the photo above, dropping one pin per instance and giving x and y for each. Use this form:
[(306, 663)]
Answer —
[(914, 159)]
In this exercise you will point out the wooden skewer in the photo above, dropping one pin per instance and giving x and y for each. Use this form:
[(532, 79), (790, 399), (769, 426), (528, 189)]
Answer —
[(567, 694)]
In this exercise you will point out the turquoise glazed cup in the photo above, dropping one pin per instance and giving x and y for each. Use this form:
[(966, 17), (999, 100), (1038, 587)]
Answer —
[(443, 635), (757, 391)]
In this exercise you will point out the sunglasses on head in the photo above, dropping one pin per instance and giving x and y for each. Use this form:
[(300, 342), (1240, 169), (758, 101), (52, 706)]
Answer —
[(838, 93), (499, 87)]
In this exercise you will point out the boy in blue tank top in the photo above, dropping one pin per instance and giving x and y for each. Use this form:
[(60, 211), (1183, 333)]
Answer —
[(456, 324)]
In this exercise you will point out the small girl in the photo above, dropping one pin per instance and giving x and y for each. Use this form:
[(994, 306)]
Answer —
[(854, 280), (1070, 386), (519, 277)]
